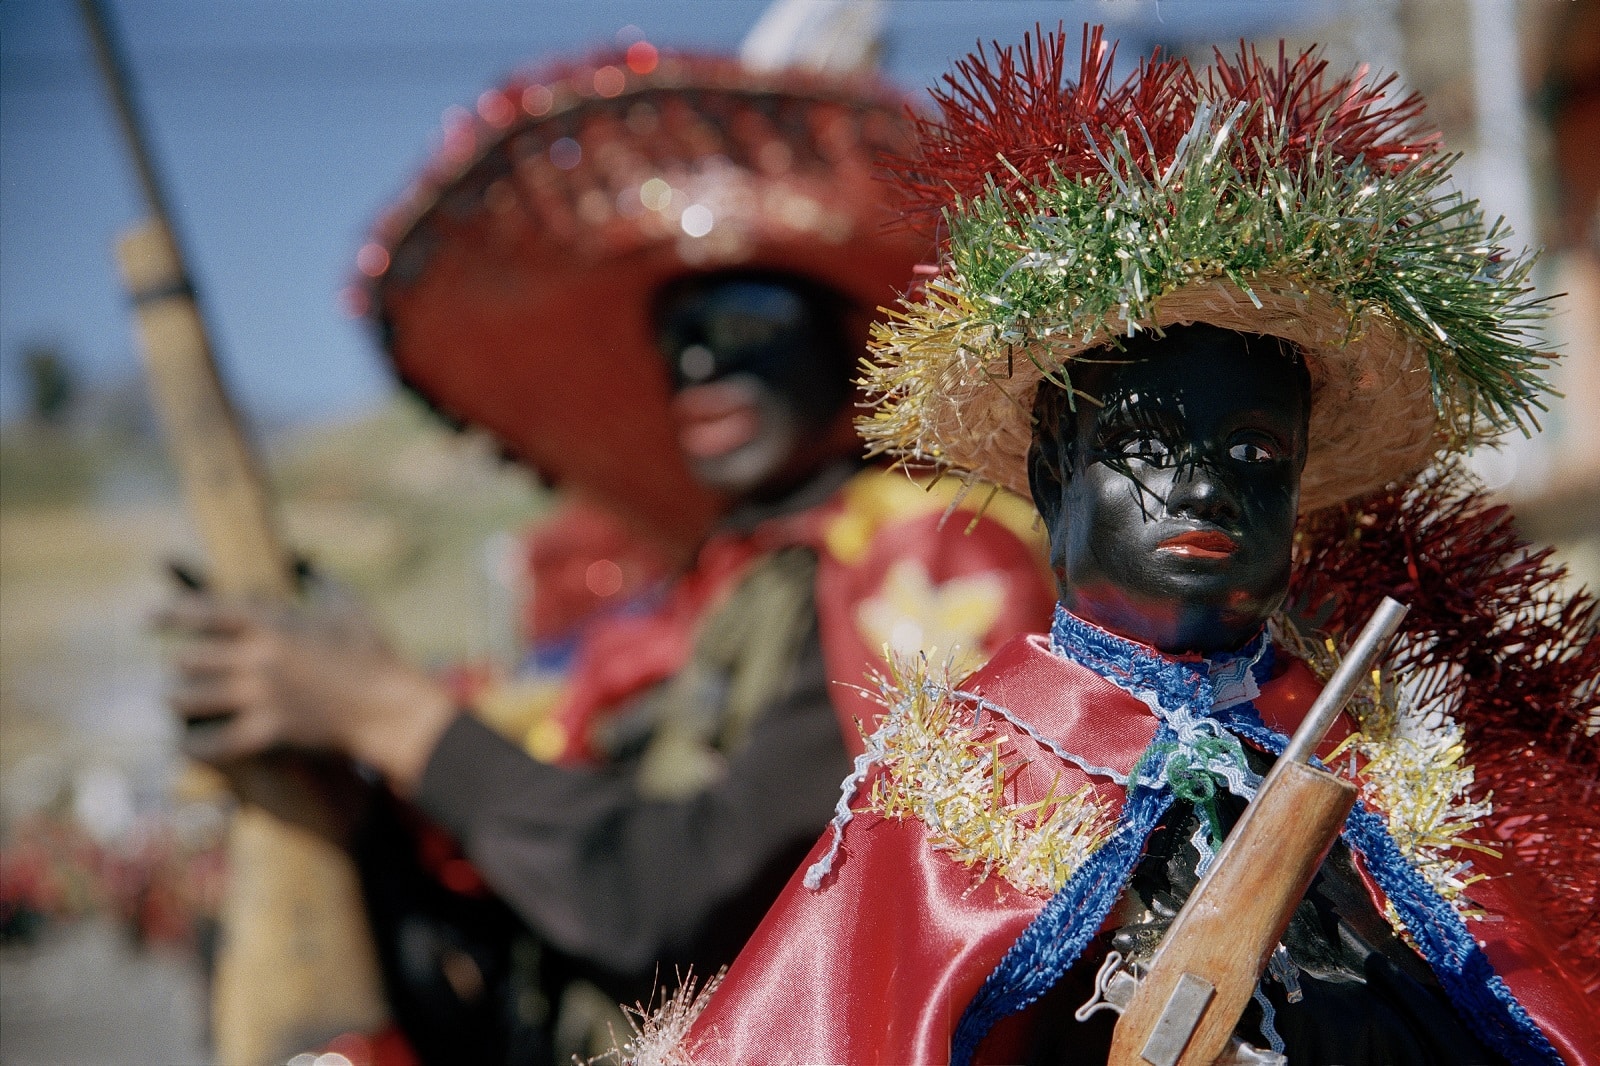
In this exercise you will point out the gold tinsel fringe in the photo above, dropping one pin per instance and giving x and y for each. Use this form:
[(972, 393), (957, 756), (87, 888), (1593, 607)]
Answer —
[(1411, 767), (951, 775)]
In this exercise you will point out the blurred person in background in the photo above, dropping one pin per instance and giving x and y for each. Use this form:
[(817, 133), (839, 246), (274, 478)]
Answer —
[(649, 277)]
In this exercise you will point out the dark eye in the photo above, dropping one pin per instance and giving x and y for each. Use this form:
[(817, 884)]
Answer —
[(1253, 451), (1138, 446)]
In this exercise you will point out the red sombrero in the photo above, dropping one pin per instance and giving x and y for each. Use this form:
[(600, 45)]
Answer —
[(513, 286)]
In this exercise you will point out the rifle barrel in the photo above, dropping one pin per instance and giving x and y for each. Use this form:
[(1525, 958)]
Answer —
[(1374, 638)]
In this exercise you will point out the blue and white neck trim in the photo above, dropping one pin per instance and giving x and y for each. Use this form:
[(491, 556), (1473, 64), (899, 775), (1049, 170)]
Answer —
[(1164, 683), (1200, 702)]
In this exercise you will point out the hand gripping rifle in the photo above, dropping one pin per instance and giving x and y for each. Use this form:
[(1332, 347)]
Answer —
[(297, 961), (1183, 1011)]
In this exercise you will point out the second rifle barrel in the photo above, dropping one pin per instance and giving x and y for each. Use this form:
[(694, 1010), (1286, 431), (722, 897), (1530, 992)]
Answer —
[(114, 72)]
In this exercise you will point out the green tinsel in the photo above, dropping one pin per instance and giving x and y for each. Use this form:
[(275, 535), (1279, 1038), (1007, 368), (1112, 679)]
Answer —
[(1071, 258)]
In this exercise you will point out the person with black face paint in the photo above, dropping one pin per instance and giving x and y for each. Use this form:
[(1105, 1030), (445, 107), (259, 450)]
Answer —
[(657, 298), (1019, 836), (1196, 557)]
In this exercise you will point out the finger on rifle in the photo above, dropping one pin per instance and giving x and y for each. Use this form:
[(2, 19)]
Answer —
[(204, 616), (191, 579), (212, 740), (306, 574), (225, 738)]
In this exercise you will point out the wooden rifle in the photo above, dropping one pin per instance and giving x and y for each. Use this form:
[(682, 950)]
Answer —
[(1183, 1011), (296, 962)]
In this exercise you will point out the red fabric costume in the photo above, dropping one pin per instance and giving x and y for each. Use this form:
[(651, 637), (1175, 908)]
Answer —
[(879, 963)]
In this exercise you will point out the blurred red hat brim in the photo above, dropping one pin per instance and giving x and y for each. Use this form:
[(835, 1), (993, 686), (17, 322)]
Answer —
[(517, 282)]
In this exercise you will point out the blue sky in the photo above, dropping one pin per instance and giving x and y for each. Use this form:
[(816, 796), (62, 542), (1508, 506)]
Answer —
[(284, 127)]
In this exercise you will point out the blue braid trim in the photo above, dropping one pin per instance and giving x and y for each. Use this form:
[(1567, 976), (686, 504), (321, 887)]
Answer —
[(1480, 996), (1137, 668), (1056, 938), (1128, 665), (1269, 1019)]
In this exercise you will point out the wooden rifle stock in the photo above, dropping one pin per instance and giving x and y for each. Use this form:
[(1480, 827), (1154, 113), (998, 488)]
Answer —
[(1206, 969), (222, 482), (296, 962)]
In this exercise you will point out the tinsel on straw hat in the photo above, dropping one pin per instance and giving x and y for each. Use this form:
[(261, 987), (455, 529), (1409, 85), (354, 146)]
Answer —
[(513, 286), (1260, 195)]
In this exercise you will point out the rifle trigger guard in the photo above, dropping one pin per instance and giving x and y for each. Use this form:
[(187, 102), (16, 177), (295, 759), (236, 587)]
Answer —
[(1113, 988)]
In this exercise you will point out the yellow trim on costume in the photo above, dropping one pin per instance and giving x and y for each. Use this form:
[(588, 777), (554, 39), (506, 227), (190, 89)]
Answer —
[(946, 622), (521, 710), (876, 498)]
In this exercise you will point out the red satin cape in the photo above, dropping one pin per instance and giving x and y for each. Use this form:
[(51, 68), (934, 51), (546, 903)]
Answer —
[(879, 963)]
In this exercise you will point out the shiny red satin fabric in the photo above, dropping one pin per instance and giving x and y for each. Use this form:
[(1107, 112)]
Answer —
[(877, 965), (1522, 955)]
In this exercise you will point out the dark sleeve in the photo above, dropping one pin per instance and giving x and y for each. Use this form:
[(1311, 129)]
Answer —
[(627, 882), (448, 960)]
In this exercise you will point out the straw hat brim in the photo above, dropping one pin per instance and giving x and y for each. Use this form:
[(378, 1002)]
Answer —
[(1372, 422)]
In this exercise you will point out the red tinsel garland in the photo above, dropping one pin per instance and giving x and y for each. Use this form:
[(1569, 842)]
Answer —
[(1497, 641), (1010, 116), (1348, 116)]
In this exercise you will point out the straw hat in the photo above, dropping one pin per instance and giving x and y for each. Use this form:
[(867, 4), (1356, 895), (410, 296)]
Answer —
[(513, 286), (1259, 196)]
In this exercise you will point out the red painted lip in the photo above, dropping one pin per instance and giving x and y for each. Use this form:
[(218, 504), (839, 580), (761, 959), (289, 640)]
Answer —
[(1200, 544), (714, 420)]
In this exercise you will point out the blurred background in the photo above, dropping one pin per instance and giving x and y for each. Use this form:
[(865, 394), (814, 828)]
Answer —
[(283, 128)]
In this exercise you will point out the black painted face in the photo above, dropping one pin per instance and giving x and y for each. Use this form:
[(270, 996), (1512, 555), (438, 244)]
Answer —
[(759, 364), (1175, 521)]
